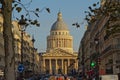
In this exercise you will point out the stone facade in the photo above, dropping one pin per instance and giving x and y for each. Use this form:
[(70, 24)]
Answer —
[(107, 48), (59, 57), (28, 49), (2, 55), (30, 54)]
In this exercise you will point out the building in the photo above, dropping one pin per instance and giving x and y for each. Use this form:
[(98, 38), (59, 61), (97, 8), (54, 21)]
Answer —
[(2, 55), (59, 57), (30, 54), (101, 46)]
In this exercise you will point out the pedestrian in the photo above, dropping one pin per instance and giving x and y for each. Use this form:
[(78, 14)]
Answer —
[(74, 78), (20, 78), (2, 78), (57, 78), (65, 78)]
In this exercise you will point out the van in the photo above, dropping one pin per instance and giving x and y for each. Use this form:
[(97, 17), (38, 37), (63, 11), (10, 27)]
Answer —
[(108, 77)]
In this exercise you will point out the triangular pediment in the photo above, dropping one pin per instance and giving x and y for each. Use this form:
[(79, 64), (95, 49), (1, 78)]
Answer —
[(59, 53)]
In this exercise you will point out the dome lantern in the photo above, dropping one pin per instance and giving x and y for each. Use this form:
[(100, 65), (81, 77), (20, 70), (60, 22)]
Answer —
[(59, 16)]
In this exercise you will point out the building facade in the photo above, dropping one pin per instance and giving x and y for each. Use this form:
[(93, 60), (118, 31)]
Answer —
[(30, 54), (2, 55), (106, 51), (59, 57)]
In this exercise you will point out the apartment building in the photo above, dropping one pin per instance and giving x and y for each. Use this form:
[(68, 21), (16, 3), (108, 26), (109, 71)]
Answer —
[(30, 53), (107, 48)]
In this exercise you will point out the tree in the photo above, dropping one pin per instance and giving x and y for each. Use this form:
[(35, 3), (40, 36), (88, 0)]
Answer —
[(7, 8), (113, 11), (110, 9), (9, 69)]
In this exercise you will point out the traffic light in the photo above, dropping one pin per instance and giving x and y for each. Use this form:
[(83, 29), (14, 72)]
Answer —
[(93, 64), (99, 60), (90, 72)]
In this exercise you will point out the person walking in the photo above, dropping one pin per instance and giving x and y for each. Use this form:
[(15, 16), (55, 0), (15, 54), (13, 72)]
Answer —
[(65, 78), (74, 78)]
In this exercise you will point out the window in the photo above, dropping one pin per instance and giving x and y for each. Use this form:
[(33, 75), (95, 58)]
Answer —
[(105, 37), (118, 40), (52, 33), (56, 33), (1, 27), (0, 58), (59, 33)]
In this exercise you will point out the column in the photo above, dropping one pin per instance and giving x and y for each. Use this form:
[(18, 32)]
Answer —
[(53, 43), (64, 43), (67, 43), (57, 42), (68, 62), (70, 43), (56, 65), (62, 65), (50, 66), (68, 70), (77, 64), (44, 65), (65, 67), (50, 43)]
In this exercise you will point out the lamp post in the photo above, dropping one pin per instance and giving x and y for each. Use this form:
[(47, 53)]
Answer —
[(22, 28), (97, 59)]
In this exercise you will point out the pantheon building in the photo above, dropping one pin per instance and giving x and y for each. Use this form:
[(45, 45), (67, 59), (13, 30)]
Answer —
[(59, 57)]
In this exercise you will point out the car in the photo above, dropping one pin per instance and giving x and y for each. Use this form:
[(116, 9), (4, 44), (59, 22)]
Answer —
[(46, 78), (69, 77)]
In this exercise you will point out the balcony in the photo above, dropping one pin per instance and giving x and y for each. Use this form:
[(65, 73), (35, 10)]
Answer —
[(111, 48)]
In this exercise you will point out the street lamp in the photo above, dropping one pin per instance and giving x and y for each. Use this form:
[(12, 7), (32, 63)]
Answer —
[(97, 59), (22, 28)]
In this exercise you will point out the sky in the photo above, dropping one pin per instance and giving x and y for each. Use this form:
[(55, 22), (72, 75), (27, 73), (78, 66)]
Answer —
[(72, 11)]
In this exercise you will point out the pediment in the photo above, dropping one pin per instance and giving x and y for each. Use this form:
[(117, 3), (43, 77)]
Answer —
[(60, 53)]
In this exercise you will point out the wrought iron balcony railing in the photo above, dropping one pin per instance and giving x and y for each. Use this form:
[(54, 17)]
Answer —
[(111, 47)]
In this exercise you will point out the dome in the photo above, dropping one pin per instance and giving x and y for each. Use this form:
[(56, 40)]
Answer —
[(59, 24)]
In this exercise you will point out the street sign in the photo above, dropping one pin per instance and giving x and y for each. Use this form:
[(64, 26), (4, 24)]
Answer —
[(21, 68)]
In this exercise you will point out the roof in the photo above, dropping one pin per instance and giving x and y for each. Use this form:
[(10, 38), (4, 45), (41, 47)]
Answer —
[(59, 24)]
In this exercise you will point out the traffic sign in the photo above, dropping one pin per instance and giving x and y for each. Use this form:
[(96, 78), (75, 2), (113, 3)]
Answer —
[(21, 68)]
